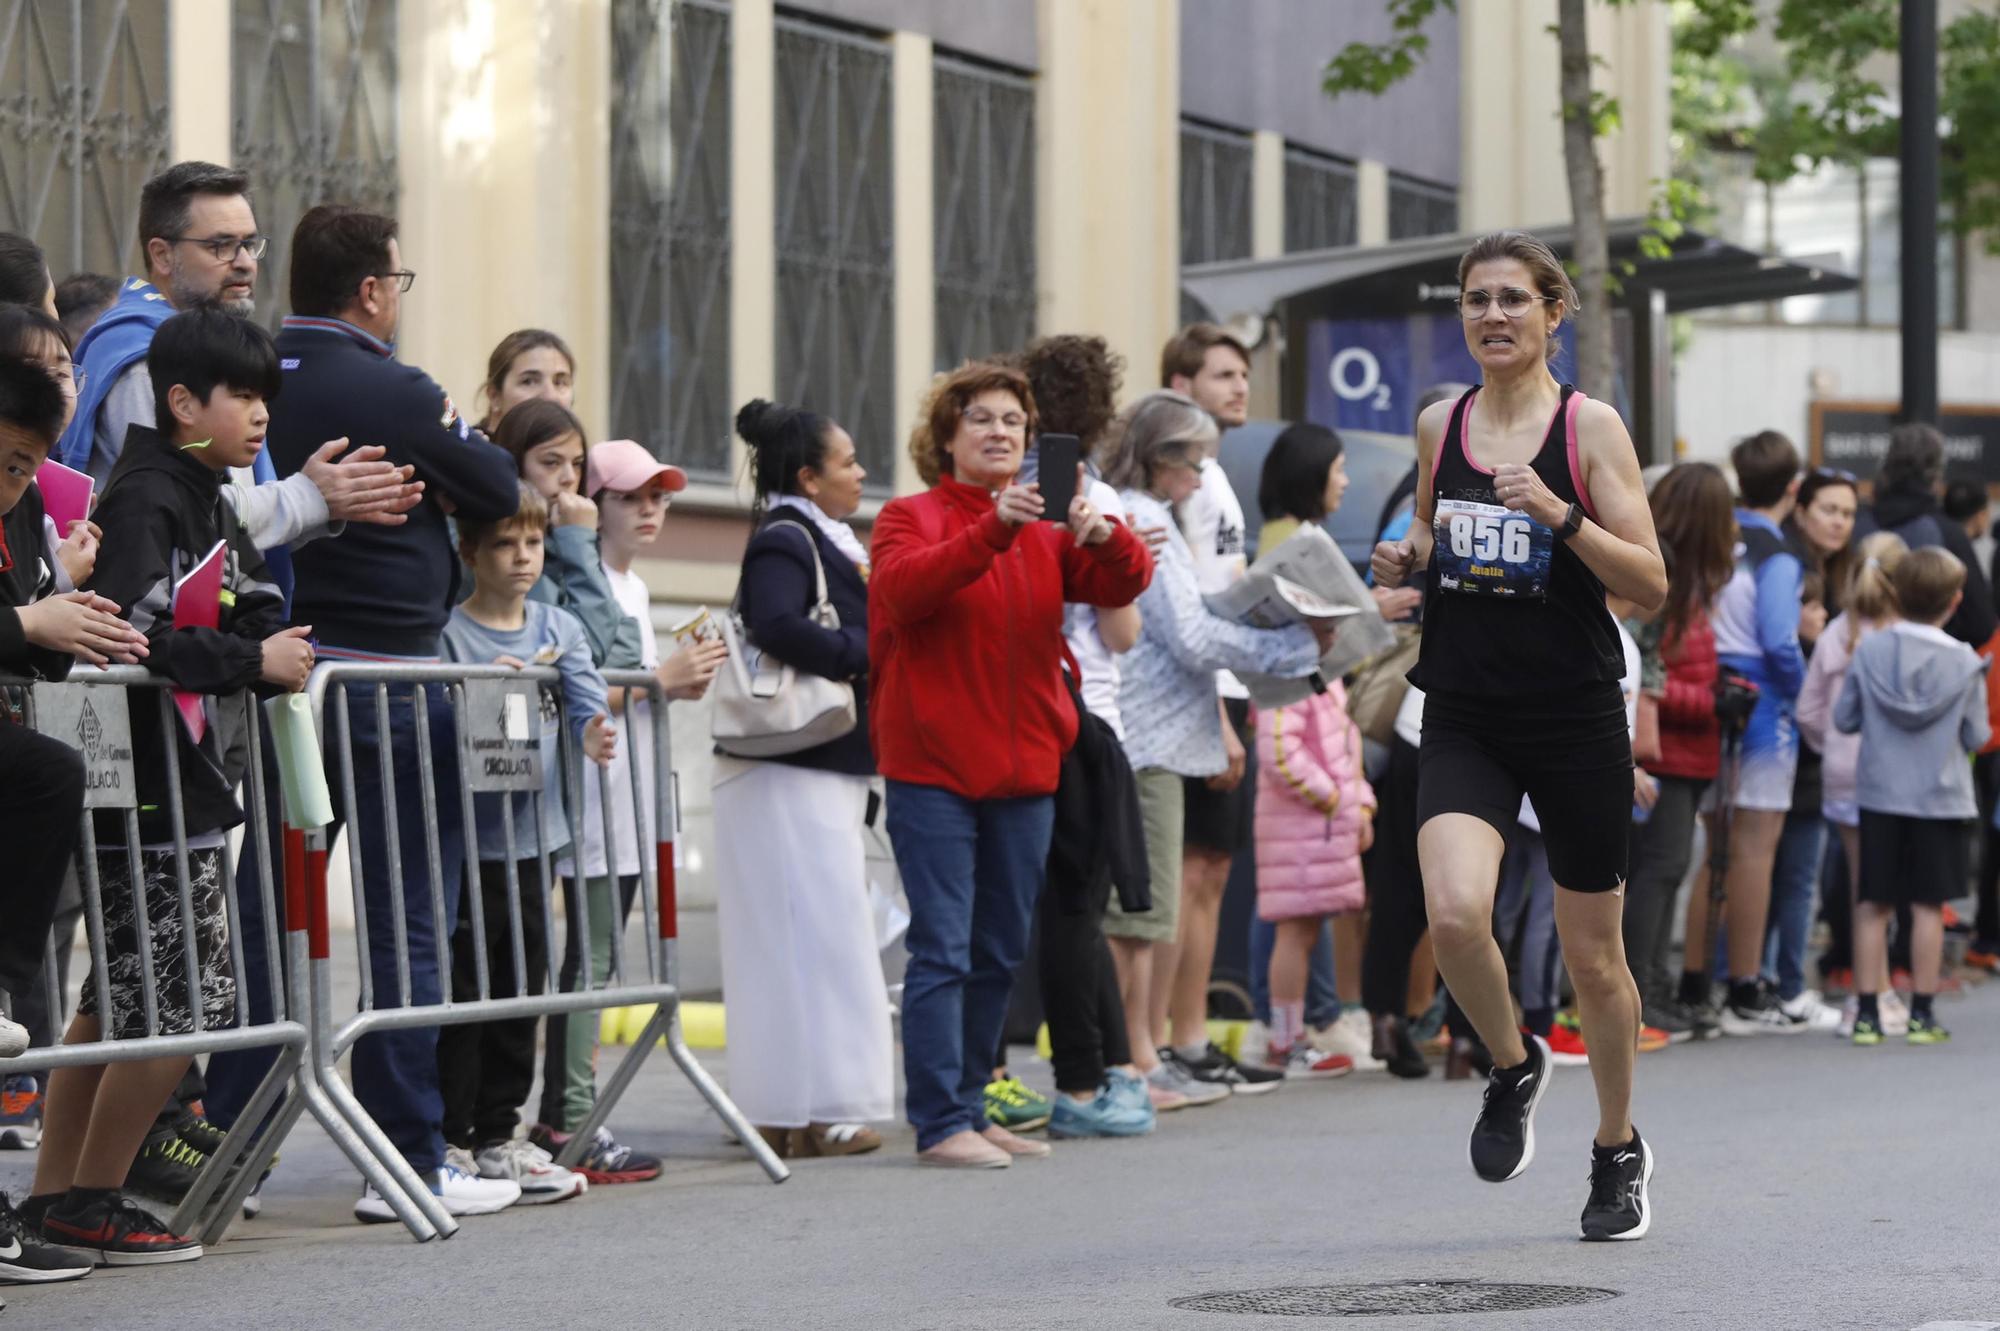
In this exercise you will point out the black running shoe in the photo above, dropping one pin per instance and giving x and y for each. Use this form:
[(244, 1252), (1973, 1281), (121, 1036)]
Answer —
[(116, 1230), (201, 1134), (28, 1259), (166, 1166), (1503, 1140), (1219, 1069), (1618, 1207)]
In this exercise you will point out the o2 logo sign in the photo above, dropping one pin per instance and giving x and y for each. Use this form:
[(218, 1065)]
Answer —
[(1355, 375)]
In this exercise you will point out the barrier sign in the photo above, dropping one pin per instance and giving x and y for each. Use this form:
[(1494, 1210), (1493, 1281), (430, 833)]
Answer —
[(502, 720), (93, 720)]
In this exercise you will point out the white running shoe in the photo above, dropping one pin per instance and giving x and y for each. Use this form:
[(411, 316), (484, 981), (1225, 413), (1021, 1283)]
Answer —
[(13, 1038), (464, 1192), (1255, 1044), (1349, 1034), (541, 1179), (1895, 1013), (1172, 1076), (1811, 1011), (1849, 1010)]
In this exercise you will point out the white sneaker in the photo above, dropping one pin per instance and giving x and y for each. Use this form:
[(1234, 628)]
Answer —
[(1812, 1012), (1171, 1076), (1255, 1044), (1350, 1034), (541, 1179), (1895, 1013), (1848, 1012), (13, 1038), (463, 1192)]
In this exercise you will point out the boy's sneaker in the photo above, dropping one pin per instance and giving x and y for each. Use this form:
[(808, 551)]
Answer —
[(114, 1230), (1895, 1013), (1676, 1020), (1130, 1089), (1809, 1012), (605, 1160), (1172, 1079), (542, 1180), (1013, 1106), (1305, 1063), (1652, 1039), (1758, 1014), (166, 1166), (1219, 1069), (1867, 1030), (28, 1259), (1566, 1046), (20, 1113), (1925, 1030), (1618, 1207), (1109, 1114), (201, 1134), (1503, 1138), (13, 1038), (1984, 956), (464, 1192)]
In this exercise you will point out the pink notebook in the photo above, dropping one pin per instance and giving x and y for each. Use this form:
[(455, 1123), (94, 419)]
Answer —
[(198, 604), (66, 494)]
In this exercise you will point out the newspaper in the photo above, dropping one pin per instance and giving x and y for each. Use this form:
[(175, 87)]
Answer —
[(1306, 577)]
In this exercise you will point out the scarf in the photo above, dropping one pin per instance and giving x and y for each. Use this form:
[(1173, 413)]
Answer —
[(842, 535)]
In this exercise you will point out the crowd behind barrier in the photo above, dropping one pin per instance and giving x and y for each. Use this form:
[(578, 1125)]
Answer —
[(1076, 738)]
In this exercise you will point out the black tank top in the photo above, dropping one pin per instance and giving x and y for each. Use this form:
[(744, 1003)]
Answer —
[(1510, 608)]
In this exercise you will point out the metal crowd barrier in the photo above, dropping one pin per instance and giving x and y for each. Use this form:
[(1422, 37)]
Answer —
[(496, 714), (93, 712)]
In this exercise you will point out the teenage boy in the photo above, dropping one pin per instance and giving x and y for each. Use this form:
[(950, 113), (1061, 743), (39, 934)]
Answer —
[(487, 1068), (1756, 620), (41, 779), (1918, 699), (163, 513), (1208, 364)]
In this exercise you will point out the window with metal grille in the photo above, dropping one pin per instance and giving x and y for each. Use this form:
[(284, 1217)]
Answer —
[(83, 122), (1215, 199), (670, 255), (1419, 208), (835, 242), (313, 117), (1322, 201), (984, 178)]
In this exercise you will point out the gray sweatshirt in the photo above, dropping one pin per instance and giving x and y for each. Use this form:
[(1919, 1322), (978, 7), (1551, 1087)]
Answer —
[(1918, 699)]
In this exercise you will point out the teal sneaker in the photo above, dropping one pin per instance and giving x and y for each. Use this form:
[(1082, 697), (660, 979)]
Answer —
[(1014, 1107), (1107, 1115), (1129, 1088)]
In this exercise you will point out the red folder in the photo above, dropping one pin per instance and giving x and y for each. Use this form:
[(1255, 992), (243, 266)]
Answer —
[(66, 494), (197, 604)]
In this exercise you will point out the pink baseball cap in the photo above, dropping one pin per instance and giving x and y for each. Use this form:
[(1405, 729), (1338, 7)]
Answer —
[(621, 464)]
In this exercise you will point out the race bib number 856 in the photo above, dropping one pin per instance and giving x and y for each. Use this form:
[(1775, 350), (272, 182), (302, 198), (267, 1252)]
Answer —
[(1487, 550)]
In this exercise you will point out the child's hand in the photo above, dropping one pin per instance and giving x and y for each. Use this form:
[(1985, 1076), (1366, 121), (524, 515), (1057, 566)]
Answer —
[(568, 509), (78, 552), (1645, 789), (511, 662), (689, 671), (600, 740), (83, 625), (288, 658), (1367, 830)]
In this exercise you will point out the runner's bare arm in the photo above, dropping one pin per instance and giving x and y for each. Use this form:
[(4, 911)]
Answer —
[(1620, 546), (1389, 563)]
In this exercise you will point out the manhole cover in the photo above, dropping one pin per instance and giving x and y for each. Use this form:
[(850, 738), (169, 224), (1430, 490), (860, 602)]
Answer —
[(1400, 1297)]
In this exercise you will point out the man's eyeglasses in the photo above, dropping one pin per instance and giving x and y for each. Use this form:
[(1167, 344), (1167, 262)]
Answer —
[(405, 279), (979, 418), (224, 249), (1514, 302)]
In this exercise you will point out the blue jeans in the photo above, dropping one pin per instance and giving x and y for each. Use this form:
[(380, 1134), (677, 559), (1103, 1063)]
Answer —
[(1322, 1003), (972, 870), (1794, 880), (1524, 918)]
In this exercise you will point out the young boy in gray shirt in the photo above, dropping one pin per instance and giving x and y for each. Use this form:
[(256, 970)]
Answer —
[(486, 1069), (1918, 699)]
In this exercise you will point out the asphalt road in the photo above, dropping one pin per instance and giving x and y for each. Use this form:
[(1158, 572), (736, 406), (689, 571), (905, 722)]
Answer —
[(1801, 1184)]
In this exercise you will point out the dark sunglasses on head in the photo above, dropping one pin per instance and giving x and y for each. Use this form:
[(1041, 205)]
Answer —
[(1835, 474)]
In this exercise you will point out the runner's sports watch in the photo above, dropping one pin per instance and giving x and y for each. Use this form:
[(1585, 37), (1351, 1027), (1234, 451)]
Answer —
[(1572, 522)]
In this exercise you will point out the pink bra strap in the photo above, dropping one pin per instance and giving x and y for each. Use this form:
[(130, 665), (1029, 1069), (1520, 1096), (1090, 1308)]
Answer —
[(1576, 401)]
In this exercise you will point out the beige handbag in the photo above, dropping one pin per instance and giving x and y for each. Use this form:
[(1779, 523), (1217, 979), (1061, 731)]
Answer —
[(765, 708)]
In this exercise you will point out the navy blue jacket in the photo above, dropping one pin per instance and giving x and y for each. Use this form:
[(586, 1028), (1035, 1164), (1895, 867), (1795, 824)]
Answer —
[(776, 598), (381, 589)]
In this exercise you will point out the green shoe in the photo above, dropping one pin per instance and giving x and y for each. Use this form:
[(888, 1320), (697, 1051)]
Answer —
[(1014, 1107), (1925, 1030), (1868, 1032)]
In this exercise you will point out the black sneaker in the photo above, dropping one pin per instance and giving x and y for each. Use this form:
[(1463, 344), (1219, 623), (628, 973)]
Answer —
[(1618, 1207), (201, 1134), (1673, 1018), (166, 1166), (1756, 1013), (116, 1230), (1219, 1069), (1503, 1140), (28, 1259)]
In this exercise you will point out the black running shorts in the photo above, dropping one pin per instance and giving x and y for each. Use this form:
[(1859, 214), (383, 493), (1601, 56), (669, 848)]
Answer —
[(1570, 754), (1222, 821)]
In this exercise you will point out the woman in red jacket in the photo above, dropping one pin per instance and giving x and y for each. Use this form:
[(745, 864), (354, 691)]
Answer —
[(1694, 516), (971, 719)]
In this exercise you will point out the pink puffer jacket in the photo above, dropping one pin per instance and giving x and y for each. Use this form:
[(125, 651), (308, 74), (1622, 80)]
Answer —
[(1311, 798)]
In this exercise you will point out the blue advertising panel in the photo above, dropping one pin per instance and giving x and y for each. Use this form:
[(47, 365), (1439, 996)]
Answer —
[(1366, 374)]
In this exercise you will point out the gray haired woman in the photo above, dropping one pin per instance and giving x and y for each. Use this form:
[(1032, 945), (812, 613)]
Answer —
[(1166, 694)]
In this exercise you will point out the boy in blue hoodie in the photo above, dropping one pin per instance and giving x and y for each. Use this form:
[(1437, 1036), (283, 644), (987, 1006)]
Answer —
[(1918, 698), (1756, 619)]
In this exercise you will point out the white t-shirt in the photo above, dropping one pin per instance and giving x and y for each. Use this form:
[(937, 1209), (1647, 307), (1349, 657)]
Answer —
[(635, 732), (1099, 684), (1212, 521)]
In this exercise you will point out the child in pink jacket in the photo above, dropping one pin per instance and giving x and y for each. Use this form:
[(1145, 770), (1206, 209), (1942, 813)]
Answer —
[(1315, 816)]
